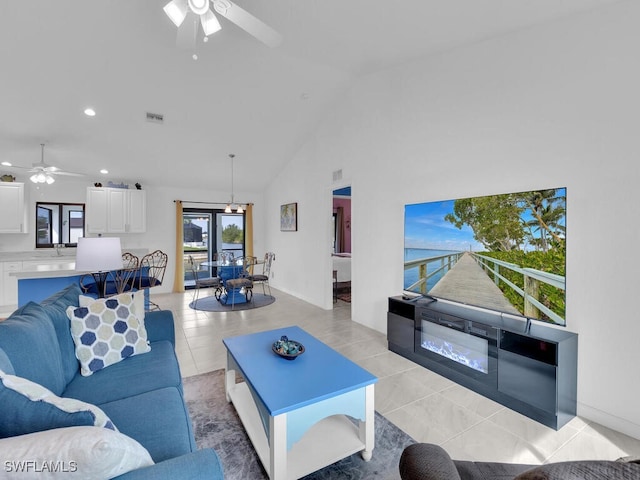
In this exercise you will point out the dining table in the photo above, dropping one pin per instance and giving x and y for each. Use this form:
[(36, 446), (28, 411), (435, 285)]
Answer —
[(228, 270)]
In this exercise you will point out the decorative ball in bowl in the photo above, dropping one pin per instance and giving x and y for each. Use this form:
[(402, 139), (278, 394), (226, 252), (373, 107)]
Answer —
[(289, 349)]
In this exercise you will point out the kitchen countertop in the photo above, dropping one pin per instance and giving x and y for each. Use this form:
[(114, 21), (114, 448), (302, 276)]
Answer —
[(66, 255), (53, 265), (67, 269)]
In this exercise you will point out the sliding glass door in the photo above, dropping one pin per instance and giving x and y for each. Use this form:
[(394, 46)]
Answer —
[(206, 232)]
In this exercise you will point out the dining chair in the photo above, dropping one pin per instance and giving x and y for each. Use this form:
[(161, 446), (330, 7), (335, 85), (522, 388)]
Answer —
[(248, 264), (116, 281), (263, 278), (89, 286), (210, 282), (124, 278), (242, 281), (223, 257), (151, 272)]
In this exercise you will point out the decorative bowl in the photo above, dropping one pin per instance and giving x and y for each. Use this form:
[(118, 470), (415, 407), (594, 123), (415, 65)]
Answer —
[(289, 349)]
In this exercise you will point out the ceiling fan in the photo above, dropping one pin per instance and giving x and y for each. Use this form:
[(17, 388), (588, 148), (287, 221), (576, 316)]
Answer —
[(43, 172), (185, 14)]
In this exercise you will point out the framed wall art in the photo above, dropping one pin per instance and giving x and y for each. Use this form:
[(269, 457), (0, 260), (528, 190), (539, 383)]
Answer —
[(289, 217)]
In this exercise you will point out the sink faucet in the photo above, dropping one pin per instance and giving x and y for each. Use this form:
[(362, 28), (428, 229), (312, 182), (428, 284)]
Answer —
[(58, 247)]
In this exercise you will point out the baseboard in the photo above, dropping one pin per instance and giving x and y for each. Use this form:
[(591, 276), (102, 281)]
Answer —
[(610, 421)]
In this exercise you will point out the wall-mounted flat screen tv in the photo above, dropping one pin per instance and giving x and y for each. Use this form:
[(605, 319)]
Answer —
[(501, 252)]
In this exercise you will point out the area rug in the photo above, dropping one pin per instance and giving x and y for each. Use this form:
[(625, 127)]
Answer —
[(217, 425), (210, 304)]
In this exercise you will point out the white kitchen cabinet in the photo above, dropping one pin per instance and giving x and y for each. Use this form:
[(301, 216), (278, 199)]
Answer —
[(8, 283), (137, 220), (12, 212), (115, 210), (96, 213)]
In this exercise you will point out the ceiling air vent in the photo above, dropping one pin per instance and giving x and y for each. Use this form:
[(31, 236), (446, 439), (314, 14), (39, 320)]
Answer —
[(155, 117)]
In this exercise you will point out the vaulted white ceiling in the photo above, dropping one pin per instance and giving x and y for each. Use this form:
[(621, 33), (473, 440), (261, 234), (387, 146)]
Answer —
[(120, 57)]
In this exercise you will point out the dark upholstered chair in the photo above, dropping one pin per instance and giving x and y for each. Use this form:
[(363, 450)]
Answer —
[(425, 461)]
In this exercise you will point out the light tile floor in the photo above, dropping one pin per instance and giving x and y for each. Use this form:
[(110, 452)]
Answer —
[(427, 406)]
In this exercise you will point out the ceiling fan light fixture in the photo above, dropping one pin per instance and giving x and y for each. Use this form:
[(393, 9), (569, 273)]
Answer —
[(176, 10), (199, 7), (42, 178), (210, 23)]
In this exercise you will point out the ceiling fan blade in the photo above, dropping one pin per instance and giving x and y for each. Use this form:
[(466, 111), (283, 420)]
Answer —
[(176, 10), (187, 31), (17, 166), (210, 23), (248, 22), (70, 174)]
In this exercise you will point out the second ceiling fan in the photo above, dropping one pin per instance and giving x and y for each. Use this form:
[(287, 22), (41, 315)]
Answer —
[(187, 14)]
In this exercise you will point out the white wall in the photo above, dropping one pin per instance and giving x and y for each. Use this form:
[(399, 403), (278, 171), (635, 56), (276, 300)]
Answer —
[(551, 106), (160, 232)]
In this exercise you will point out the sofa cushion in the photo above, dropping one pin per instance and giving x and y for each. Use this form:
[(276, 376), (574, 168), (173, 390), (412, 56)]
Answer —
[(134, 375), (106, 332), (200, 464), (583, 470), (56, 307), (78, 452), (28, 407), (158, 420), (489, 470), (29, 340), (425, 460), (5, 364)]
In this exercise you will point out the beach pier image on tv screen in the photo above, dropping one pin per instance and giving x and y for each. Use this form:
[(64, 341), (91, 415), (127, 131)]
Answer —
[(503, 252)]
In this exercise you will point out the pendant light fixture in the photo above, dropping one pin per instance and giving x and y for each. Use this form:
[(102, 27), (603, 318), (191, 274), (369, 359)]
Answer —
[(230, 206)]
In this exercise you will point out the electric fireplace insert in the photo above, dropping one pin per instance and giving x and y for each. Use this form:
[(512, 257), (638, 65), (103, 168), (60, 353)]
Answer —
[(463, 345)]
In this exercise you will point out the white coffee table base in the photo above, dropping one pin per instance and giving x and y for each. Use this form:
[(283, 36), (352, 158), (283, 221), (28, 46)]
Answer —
[(322, 440)]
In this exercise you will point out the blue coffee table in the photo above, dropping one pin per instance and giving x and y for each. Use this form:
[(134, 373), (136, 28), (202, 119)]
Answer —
[(296, 411)]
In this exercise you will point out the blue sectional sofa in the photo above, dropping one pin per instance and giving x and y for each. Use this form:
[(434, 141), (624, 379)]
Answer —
[(141, 395)]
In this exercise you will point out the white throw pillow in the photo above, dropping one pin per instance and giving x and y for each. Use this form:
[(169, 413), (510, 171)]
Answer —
[(74, 452), (106, 331)]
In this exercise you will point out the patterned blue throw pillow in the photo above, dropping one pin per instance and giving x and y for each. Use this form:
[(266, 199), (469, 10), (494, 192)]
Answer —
[(107, 331)]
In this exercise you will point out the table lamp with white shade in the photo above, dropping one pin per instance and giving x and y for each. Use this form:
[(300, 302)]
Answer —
[(99, 256)]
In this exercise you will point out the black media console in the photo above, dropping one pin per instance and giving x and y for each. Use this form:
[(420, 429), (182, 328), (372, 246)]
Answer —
[(528, 367)]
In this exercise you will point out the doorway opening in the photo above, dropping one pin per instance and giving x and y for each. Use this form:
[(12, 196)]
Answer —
[(341, 251), (207, 232)]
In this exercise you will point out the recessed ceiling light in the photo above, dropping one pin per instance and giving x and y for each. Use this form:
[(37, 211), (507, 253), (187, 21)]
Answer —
[(89, 112), (7, 164), (104, 171)]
